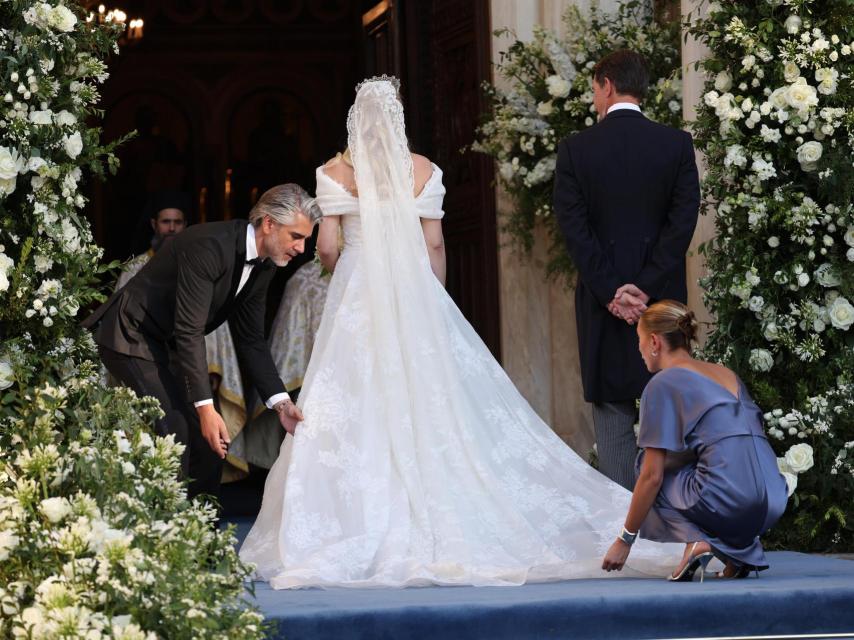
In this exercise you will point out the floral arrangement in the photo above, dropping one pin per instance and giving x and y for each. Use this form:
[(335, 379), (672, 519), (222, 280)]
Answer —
[(549, 96), (777, 127), (97, 537)]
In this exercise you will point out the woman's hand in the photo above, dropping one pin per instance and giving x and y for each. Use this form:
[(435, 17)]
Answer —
[(616, 556)]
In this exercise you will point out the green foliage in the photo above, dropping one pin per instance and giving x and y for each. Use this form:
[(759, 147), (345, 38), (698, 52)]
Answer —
[(776, 125), (97, 537)]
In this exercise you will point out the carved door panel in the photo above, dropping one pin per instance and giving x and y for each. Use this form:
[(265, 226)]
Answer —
[(441, 51)]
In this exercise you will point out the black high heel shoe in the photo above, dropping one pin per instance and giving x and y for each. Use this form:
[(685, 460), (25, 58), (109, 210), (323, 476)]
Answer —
[(741, 571), (699, 561)]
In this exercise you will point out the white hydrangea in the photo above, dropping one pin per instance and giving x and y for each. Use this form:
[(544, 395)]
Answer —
[(793, 24), (770, 135), (41, 117), (45, 16), (735, 155), (55, 509), (558, 87), (761, 360)]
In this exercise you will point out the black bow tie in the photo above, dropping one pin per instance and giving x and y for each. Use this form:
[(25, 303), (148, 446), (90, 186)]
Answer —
[(255, 262)]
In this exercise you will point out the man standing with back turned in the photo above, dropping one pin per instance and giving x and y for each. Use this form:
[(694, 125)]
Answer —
[(626, 197)]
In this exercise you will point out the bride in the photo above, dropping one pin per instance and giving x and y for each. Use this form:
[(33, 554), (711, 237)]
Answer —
[(418, 461)]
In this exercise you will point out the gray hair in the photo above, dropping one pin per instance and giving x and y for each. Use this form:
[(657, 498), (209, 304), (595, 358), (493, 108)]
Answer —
[(283, 203)]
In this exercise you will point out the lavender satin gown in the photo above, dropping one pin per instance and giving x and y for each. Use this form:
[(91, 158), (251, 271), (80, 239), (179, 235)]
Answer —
[(721, 482)]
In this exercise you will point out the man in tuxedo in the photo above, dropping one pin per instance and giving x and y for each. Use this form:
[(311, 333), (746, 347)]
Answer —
[(198, 279), (626, 197)]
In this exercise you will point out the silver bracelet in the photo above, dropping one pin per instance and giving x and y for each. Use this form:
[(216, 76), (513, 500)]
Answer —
[(627, 536)]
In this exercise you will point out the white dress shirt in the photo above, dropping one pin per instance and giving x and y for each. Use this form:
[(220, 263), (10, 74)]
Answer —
[(623, 105), (251, 254)]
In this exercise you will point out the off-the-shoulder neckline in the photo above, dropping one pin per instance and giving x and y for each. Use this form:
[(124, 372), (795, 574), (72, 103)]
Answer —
[(436, 172), (738, 382)]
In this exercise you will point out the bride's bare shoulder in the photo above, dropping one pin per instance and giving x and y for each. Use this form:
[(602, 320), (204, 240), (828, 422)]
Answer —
[(422, 169)]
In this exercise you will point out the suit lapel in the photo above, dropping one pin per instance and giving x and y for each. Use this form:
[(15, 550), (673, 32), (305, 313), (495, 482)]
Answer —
[(239, 261)]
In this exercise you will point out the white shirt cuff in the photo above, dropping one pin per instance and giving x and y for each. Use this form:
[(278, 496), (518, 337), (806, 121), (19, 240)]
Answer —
[(272, 401), (202, 403)]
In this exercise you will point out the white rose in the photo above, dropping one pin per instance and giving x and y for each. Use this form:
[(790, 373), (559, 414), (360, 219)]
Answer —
[(841, 313), (791, 71), (771, 332), (773, 242), (7, 376), (73, 144), (778, 98), (791, 481), (809, 153), (801, 96), (793, 24), (826, 276), (820, 45), (41, 117), (558, 87), (761, 360), (850, 254), (799, 457), (756, 303), (723, 81), (55, 509), (8, 541), (11, 164), (545, 108)]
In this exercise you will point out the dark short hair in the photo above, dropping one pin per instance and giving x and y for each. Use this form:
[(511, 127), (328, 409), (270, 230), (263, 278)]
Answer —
[(626, 70), (167, 199)]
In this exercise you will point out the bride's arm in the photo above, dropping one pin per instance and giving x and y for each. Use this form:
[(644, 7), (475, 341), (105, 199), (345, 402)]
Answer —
[(435, 246), (327, 241)]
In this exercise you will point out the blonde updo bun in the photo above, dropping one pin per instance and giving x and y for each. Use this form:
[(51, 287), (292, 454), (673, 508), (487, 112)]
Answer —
[(673, 321)]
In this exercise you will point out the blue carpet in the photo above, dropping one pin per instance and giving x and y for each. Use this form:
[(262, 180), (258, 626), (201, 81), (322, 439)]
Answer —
[(800, 594)]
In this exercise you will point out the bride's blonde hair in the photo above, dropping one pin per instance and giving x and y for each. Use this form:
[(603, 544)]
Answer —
[(345, 157)]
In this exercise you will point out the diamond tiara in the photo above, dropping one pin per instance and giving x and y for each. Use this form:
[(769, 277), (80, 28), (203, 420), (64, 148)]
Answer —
[(383, 78)]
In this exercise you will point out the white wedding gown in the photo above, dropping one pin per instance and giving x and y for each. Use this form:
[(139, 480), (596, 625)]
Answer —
[(419, 462)]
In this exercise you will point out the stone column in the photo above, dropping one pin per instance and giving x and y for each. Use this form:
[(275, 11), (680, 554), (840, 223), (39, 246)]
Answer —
[(538, 335), (692, 92)]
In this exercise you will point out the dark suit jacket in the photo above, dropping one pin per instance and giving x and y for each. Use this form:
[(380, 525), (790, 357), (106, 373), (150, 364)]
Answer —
[(186, 291), (626, 197)]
